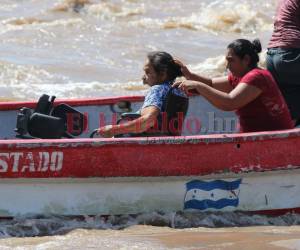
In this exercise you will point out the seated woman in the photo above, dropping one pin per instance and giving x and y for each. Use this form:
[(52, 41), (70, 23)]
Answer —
[(160, 73), (249, 90)]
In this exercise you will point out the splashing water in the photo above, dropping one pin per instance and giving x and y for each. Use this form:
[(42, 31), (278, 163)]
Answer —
[(56, 225), (89, 48)]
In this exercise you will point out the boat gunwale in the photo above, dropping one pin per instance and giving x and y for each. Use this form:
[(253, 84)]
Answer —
[(193, 139), (14, 105)]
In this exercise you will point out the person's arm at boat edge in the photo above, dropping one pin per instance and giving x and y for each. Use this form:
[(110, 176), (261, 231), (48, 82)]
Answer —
[(219, 83), (148, 118), (237, 98)]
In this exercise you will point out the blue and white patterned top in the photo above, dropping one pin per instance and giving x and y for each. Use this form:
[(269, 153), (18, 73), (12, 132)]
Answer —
[(158, 93)]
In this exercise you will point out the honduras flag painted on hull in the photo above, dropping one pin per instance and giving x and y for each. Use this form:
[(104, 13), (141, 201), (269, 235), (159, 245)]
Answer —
[(215, 194)]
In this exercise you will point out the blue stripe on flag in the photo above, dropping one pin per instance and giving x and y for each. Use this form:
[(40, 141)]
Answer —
[(204, 204), (210, 185)]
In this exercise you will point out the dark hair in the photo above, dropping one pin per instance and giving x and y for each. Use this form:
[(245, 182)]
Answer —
[(242, 47), (163, 62)]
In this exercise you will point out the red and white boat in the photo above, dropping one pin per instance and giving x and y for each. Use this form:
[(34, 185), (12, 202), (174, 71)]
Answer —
[(217, 170)]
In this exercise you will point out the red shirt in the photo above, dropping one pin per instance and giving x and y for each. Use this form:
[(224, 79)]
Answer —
[(286, 32), (269, 110)]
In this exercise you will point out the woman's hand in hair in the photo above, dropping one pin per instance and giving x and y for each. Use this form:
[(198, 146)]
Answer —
[(192, 76), (184, 69), (188, 86)]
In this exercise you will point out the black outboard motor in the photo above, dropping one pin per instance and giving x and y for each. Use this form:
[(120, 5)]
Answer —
[(47, 122)]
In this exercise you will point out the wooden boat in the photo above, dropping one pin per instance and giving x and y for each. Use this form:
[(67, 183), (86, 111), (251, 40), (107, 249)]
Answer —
[(208, 168)]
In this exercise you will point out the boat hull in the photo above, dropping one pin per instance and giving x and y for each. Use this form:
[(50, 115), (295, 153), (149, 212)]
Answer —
[(259, 193), (251, 172)]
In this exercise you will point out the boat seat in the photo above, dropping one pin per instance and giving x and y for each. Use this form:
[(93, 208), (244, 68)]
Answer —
[(46, 122), (173, 105)]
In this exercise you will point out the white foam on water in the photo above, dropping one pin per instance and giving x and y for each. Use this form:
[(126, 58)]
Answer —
[(211, 67), (216, 17), (21, 82), (16, 79), (230, 16), (111, 10), (29, 82), (23, 24), (216, 66)]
